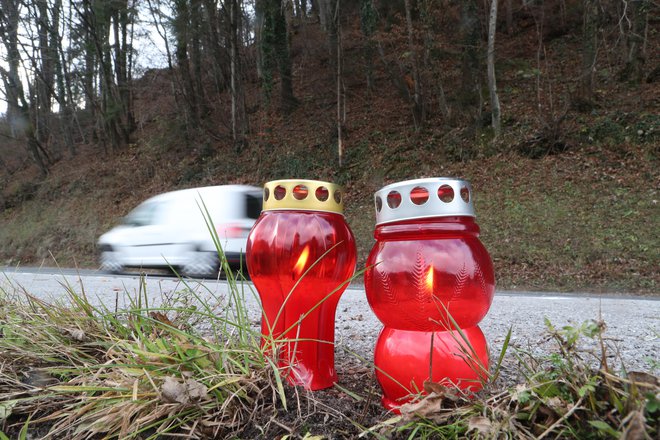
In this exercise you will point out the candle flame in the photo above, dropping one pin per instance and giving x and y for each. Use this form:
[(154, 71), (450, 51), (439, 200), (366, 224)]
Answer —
[(429, 279), (299, 267)]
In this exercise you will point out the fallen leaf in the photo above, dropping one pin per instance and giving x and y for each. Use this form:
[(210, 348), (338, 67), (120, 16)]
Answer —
[(76, 334), (430, 407), (643, 380), (6, 408), (449, 393), (161, 317), (481, 424), (636, 429), (190, 391), (557, 405), (434, 387), (197, 391)]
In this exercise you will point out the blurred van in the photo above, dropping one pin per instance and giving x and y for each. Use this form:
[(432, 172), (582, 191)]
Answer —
[(169, 230)]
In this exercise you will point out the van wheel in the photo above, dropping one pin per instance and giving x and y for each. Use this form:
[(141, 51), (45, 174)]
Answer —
[(201, 265), (110, 263)]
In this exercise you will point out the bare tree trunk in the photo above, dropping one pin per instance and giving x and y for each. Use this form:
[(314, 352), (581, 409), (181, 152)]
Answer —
[(417, 98), (265, 47), (44, 74), (325, 10), (9, 19), (340, 121), (45, 77), (63, 84), (289, 14), (368, 20), (181, 29), (239, 122), (100, 19), (18, 109), (635, 41), (591, 15), (314, 9), (120, 23), (429, 62), (274, 45), (196, 57), (301, 9), (233, 61), (283, 57), (509, 17), (219, 57), (470, 94), (492, 86), (90, 57)]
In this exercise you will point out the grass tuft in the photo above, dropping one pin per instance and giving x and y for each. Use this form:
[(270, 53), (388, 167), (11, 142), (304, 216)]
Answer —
[(140, 371), (76, 370)]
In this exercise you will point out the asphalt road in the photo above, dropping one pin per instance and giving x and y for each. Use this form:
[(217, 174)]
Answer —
[(633, 323)]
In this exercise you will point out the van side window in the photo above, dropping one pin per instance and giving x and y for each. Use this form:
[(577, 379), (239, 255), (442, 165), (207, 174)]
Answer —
[(253, 206)]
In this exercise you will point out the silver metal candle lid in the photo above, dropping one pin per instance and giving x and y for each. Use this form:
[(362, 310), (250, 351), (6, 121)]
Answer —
[(423, 198)]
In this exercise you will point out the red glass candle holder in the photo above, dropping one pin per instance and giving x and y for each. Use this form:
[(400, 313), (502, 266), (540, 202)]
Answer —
[(406, 359), (428, 273), (299, 254)]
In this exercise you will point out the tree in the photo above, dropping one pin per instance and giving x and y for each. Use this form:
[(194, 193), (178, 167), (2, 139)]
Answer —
[(368, 21), (275, 51), (181, 29), (492, 86), (9, 20), (114, 112), (417, 97), (239, 121), (635, 31), (45, 75), (20, 111), (63, 93), (215, 49), (470, 94), (430, 61), (509, 16), (590, 26), (341, 98)]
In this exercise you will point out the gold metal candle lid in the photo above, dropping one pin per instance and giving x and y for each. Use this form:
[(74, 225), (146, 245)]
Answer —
[(308, 195)]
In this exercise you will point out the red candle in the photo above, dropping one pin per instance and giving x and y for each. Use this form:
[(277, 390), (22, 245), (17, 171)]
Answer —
[(300, 256), (428, 276)]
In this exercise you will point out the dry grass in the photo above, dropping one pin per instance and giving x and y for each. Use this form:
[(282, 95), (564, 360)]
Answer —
[(73, 370), (134, 373)]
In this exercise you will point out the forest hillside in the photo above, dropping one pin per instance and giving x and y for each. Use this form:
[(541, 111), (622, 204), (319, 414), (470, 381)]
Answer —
[(550, 108)]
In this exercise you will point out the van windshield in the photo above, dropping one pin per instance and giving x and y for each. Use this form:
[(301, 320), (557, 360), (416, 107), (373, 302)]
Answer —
[(145, 214)]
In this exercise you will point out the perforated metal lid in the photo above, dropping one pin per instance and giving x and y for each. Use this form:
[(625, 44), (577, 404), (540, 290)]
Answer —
[(423, 198), (306, 195)]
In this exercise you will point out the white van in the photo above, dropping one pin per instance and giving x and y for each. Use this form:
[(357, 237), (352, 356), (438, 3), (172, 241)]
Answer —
[(169, 230)]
